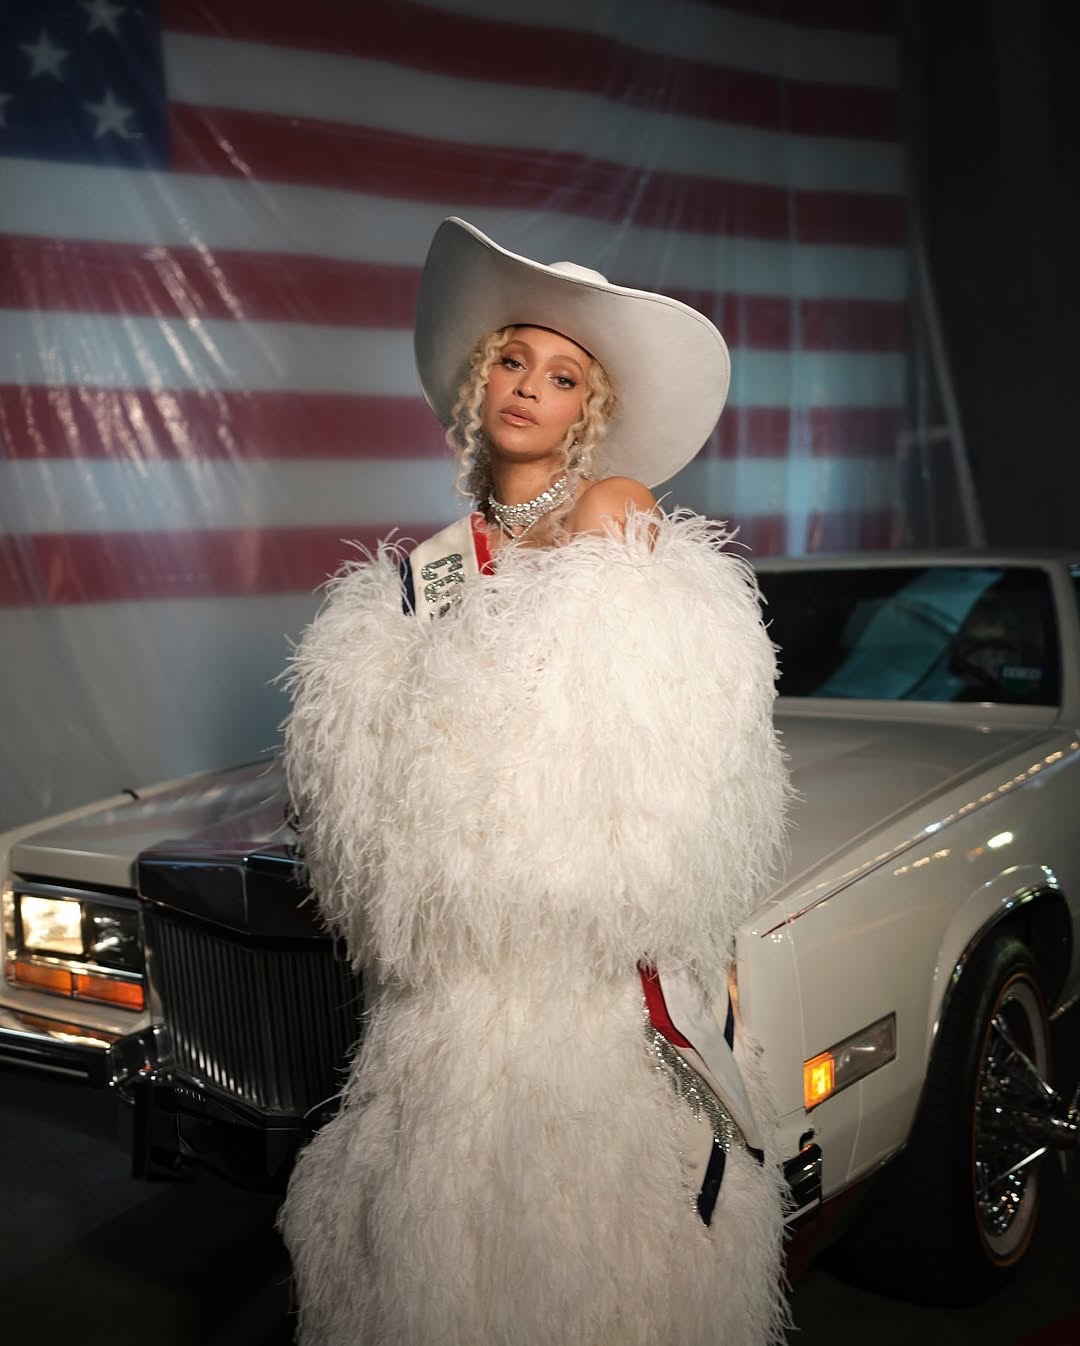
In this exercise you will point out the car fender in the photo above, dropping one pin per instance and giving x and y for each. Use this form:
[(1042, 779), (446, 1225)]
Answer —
[(975, 921), (888, 1112)]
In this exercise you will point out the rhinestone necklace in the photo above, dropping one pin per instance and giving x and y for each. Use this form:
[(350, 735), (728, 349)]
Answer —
[(523, 516)]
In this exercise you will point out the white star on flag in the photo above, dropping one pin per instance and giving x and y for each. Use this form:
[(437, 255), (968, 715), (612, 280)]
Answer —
[(111, 117), (44, 57), (4, 98), (103, 14)]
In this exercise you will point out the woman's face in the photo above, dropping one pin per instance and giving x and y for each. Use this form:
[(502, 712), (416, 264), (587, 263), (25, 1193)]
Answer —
[(534, 393)]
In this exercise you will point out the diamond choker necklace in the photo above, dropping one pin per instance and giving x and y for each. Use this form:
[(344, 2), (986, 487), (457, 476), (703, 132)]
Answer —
[(523, 516)]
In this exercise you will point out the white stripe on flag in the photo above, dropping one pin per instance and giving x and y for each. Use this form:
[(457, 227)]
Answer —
[(180, 210), (217, 73), (105, 352), (108, 497), (741, 488)]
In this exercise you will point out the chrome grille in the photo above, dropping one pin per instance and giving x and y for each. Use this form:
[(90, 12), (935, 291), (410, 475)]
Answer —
[(269, 1026)]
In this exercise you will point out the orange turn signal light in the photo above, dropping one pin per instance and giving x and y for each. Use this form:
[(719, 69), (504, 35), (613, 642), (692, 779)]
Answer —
[(848, 1061), (78, 985), (128, 994), (56, 979), (819, 1079)]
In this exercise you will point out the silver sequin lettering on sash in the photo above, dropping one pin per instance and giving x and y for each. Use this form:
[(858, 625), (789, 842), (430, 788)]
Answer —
[(441, 567), (442, 591)]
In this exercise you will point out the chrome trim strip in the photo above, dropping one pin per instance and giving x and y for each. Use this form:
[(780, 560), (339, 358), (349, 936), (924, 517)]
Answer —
[(33, 888), (41, 1028), (871, 867), (69, 963), (53, 1046)]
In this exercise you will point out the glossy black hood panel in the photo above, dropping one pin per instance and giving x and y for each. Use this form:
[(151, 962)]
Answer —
[(237, 866), (258, 892)]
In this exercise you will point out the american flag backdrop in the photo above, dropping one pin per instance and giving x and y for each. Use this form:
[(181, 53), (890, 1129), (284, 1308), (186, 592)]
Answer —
[(212, 218)]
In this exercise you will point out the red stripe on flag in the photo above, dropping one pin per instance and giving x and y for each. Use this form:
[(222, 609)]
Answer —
[(168, 282), (63, 568), (847, 217), (139, 426), (231, 143), (119, 279), (555, 59), (765, 535), (822, 432), (854, 530), (836, 531), (773, 322), (116, 567)]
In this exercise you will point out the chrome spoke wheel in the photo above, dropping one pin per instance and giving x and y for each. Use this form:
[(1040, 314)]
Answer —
[(1009, 1083)]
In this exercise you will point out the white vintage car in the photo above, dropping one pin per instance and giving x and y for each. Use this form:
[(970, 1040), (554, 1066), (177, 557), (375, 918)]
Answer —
[(899, 980)]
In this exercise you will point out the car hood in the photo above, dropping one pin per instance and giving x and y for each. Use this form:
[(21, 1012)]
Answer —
[(854, 775), (225, 813), (851, 775)]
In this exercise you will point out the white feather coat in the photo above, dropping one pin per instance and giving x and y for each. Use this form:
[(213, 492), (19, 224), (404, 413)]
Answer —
[(504, 812)]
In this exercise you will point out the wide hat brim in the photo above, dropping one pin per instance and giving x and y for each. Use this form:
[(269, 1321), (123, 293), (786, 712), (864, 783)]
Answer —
[(668, 364)]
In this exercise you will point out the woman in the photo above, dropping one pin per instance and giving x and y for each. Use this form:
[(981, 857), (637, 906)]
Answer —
[(539, 794)]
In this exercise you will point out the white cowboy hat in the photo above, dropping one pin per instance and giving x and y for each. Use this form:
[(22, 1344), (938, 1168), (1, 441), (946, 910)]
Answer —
[(668, 364)]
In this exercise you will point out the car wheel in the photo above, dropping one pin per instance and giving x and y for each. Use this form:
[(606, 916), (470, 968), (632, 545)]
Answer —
[(953, 1215)]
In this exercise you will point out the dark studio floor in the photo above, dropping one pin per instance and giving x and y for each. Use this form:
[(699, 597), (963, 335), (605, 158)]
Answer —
[(88, 1254)]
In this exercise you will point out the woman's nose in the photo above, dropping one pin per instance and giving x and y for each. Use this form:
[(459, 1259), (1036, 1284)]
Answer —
[(524, 387)]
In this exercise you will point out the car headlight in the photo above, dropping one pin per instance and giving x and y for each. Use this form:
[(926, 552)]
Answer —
[(83, 945), (51, 925)]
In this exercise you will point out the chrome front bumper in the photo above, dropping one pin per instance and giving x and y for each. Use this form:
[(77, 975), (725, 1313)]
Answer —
[(88, 1055), (166, 1119), (55, 1046), (803, 1175)]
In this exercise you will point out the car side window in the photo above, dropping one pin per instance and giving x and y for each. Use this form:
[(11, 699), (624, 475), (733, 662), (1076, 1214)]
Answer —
[(915, 633)]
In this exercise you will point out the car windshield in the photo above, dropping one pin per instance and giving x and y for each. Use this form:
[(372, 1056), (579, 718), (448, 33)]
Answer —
[(915, 633)]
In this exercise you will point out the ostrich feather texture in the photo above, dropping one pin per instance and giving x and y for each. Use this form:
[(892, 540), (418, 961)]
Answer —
[(504, 812)]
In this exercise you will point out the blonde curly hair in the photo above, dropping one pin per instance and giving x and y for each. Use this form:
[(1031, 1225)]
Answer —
[(466, 439)]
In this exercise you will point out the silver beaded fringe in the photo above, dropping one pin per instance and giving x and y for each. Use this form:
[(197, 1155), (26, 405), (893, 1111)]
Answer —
[(692, 1089)]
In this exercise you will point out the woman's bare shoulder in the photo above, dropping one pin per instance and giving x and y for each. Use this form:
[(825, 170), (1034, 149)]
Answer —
[(605, 503)]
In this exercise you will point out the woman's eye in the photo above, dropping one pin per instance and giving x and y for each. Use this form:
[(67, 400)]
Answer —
[(510, 363), (564, 381)]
